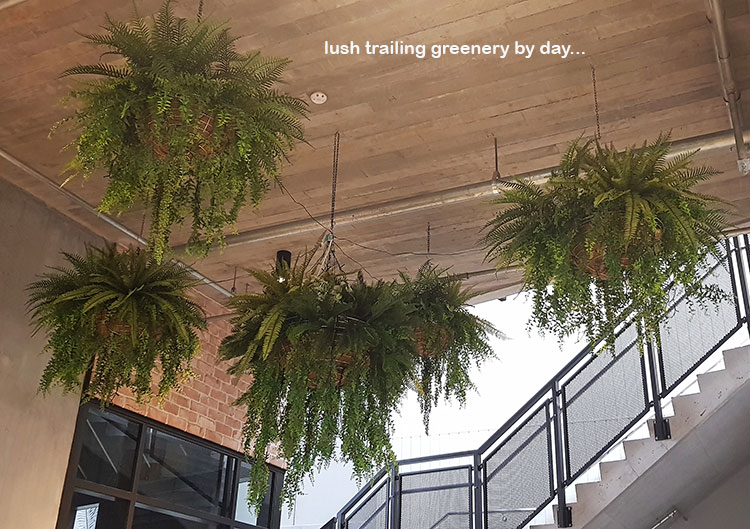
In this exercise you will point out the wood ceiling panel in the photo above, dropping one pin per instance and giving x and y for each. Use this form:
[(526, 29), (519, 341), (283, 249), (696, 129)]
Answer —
[(408, 126)]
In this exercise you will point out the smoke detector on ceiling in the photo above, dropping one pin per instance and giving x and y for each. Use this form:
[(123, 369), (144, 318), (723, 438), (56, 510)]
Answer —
[(318, 97)]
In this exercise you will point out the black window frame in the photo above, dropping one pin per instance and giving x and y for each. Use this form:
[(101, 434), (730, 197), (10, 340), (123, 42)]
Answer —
[(75, 484)]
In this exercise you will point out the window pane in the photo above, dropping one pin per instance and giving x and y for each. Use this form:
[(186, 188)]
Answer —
[(92, 511), (108, 449), (244, 513), (146, 518), (184, 473)]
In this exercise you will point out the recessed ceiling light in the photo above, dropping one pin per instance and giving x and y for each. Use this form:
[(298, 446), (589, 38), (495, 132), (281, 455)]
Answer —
[(318, 98)]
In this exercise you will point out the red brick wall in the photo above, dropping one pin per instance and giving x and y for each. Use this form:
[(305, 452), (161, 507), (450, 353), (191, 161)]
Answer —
[(203, 406)]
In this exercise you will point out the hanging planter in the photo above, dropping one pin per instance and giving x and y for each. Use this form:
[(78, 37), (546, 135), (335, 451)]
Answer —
[(447, 337), (120, 315), (331, 358), (607, 236), (186, 125)]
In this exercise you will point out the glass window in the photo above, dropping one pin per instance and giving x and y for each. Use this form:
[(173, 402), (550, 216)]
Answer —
[(184, 473), (108, 448), (135, 474), (148, 518), (94, 511), (243, 513)]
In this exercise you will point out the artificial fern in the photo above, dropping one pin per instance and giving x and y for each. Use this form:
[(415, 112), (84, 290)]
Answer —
[(607, 237), (330, 359), (450, 340), (185, 125), (332, 356), (121, 315)]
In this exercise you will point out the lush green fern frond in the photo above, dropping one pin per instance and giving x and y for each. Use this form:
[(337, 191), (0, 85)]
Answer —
[(188, 126), (119, 315), (609, 232)]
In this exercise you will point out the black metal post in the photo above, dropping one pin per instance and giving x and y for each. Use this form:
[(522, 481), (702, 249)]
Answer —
[(564, 513), (477, 491), (741, 272), (662, 430), (394, 497)]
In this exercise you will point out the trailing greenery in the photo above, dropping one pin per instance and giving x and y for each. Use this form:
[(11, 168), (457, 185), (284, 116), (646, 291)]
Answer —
[(331, 358), (121, 315), (449, 338), (609, 235), (183, 123)]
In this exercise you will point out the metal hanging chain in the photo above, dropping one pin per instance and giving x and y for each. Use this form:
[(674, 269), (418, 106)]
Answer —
[(233, 290), (200, 10), (428, 238), (596, 103), (497, 160), (140, 233), (334, 180)]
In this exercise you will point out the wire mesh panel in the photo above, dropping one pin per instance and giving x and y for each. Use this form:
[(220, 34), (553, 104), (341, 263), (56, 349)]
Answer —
[(373, 513), (436, 499), (692, 332), (518, 474), (602, 400)]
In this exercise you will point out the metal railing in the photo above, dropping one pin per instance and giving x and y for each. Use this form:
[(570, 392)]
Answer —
[(567, 427)]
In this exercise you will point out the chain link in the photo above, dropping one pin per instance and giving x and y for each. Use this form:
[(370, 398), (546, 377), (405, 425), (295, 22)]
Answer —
[(596, 103)]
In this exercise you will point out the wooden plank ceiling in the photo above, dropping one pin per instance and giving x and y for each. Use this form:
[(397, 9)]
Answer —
[(409, 127)]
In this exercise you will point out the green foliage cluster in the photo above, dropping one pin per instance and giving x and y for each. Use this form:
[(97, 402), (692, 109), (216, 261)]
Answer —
[(184, 124), (449, 338), (331, 358), (609, 236), (121, 315)]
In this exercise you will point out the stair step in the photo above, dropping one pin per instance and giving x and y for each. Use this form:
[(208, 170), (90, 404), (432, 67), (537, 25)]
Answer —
[(617, 471), (737, 360), (641, 454)]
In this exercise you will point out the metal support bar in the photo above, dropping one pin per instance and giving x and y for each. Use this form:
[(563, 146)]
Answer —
[(742, 269), (394, 491), (564, 513), (477, 469), (662, 430)]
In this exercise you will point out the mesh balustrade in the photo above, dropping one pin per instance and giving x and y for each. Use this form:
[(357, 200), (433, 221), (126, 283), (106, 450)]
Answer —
[(373, 512), (436, 499), (602, 400), (692, 332), (518, 474)]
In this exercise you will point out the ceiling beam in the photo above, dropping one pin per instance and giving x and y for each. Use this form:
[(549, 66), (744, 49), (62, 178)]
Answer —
[(487, 188)]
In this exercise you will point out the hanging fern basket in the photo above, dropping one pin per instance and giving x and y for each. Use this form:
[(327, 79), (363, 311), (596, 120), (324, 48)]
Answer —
[(187, 126), (332, 357), (120, 316), (608, 236)]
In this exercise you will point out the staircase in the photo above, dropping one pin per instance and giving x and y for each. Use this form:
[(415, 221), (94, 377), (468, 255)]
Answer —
[(709, 433), (553, 464)]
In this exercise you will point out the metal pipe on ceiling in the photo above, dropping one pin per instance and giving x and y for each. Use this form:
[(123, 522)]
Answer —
[(486, 188), (717, 19), (109, 220)]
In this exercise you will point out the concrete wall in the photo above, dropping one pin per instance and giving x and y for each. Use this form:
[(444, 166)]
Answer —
[(726, 507), (35, 431)]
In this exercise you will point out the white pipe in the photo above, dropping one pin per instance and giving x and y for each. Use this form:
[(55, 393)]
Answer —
[(109, 220), (731, 92)]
